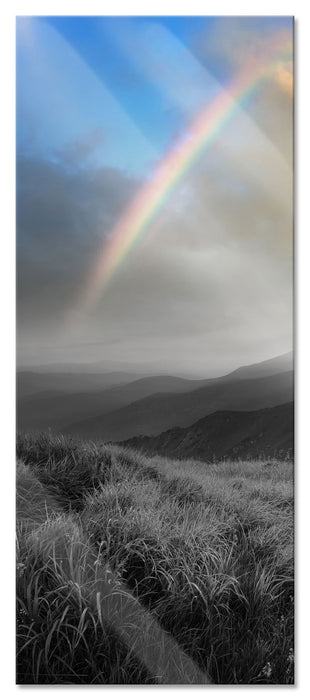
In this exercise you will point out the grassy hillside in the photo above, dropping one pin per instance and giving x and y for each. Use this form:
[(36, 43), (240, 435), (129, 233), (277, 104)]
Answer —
[(227, 435), (201, 556)]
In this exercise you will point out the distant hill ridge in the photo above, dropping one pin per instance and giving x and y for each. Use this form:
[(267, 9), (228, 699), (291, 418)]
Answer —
[(226, 434), (156, 413), (119, 405), (41, 409), (275, 365)]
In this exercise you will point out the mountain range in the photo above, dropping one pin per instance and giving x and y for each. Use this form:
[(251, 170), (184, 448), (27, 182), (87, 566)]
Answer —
[(158, 412), (119, 406), (226, 435), (55, 407)]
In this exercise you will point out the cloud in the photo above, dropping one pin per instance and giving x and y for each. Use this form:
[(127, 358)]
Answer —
[(75, 154), (212, 277), (63, 218), (210, 283), (233, 44), (242, 40)]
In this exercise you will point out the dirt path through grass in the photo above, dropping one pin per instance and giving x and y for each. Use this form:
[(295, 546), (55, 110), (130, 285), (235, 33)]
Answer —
[(59, 539)]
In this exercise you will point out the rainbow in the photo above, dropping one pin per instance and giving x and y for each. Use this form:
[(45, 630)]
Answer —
[(150, 199)]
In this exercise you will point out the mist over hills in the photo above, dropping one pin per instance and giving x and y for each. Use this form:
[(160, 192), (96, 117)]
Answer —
[(118, 406), (31, 383), (281, 363), (54, 409), (226, 434), (156, 413)]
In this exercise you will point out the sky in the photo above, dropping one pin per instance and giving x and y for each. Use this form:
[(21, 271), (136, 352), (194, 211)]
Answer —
[(154, 191)]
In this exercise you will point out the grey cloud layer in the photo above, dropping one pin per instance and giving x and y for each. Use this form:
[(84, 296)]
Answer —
[(63, 216), (235, 41), (210, 285)]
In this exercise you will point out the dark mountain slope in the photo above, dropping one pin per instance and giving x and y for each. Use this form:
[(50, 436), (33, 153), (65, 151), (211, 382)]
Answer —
[(54, 409), (152, 415), (231, 434)]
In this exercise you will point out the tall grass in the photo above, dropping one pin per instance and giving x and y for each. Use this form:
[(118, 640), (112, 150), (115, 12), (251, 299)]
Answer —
[(206, 549), (60, 638)]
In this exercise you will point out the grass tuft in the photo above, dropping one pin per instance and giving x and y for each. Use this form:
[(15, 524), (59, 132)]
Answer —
[(206, 549)]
